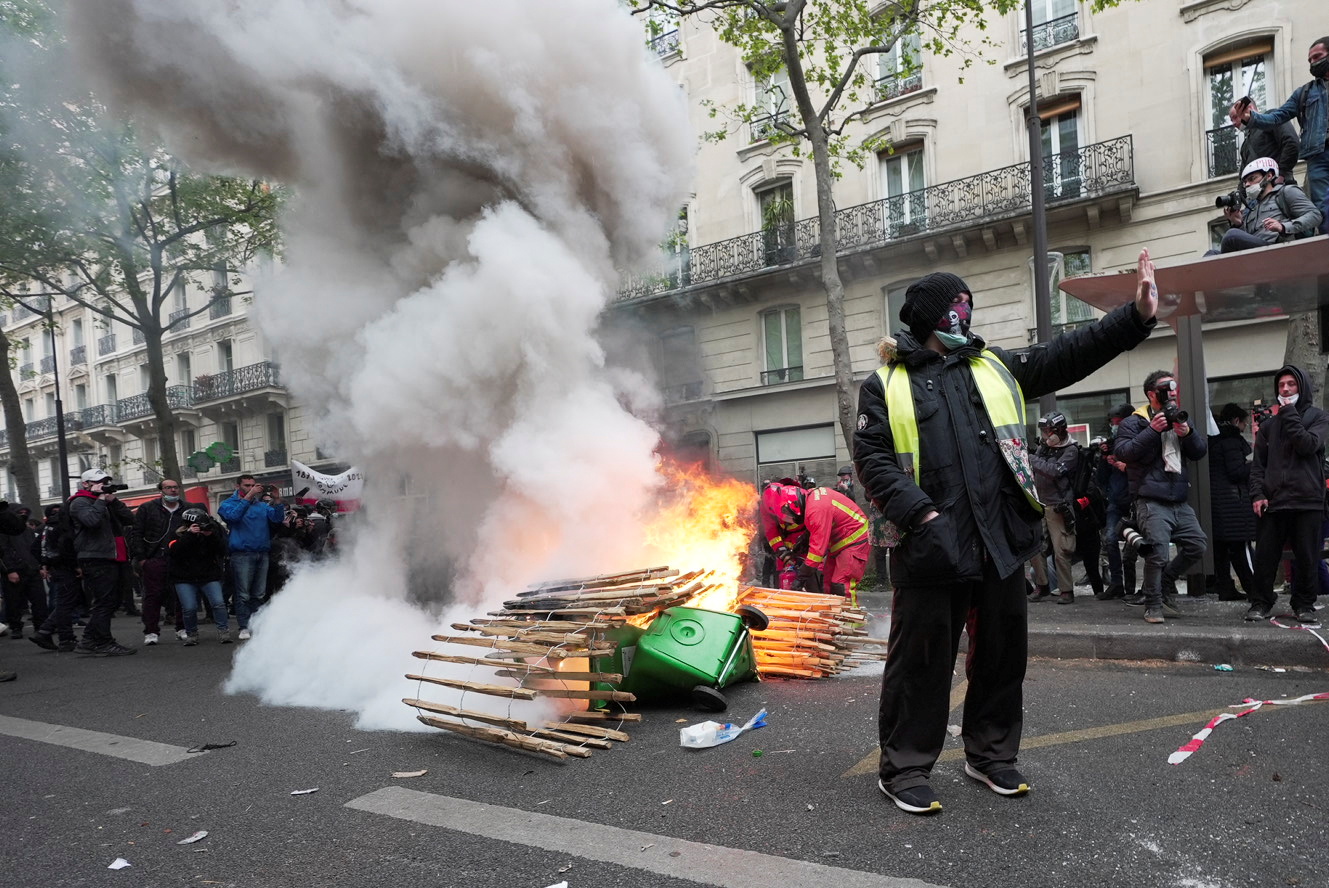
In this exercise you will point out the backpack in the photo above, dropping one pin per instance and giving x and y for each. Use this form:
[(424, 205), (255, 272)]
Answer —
[(64, 530)]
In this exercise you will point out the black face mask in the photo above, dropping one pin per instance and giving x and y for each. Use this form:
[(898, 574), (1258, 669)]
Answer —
[(1320, 68)]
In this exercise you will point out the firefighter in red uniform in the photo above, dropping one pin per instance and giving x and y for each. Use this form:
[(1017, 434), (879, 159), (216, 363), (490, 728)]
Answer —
[(837, 533), (787, 537)]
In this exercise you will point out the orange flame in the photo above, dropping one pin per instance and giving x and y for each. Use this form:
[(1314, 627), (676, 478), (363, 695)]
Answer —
[(704, 522)]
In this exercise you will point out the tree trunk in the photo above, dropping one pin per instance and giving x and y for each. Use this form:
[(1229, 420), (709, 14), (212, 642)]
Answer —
[(157, 398), (20, 464), (828, 238), (1303, 349)]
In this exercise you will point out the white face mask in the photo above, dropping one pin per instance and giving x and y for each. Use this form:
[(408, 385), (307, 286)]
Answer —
[(1253, 191), (1288, 401)]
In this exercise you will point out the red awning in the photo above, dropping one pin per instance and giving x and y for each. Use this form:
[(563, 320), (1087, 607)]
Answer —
[(198, 495)]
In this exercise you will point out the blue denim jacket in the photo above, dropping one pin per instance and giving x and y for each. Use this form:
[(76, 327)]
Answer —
[(1312, 120)]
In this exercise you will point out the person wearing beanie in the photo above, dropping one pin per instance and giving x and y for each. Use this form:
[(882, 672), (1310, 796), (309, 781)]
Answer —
[(940, 450)]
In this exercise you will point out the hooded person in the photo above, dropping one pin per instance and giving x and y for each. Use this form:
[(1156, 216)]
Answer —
[(1288, 495), (940, 449)]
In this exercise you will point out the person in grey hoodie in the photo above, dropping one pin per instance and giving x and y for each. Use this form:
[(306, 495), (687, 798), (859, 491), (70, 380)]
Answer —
[(1288, 495), (1274, 213)]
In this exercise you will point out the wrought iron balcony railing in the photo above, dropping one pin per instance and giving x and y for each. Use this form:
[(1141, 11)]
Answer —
[(236, 382), (179, 319), (219, 308), (106, 345), (688, 391), (26, 371), (138, 406), (892, 86), (276, 459), (138, 336), (1052, 32), (1093, 170), (46, 428), (230, 465), (48, 364), (1224, 151), (95, 417), (663, 44), (762, 128), (784, 374), (78, 355)]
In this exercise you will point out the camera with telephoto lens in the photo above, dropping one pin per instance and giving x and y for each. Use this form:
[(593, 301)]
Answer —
[(114, 488), (1171, 411), (1135, 543), (1261, 413), (1233, 200), (1102, 444)]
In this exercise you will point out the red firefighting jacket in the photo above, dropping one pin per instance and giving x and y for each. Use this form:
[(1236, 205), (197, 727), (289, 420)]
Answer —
[(834, 522), (775, 526)]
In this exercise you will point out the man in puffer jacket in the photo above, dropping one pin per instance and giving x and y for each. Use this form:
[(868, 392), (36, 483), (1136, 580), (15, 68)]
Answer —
[(1287, 494)]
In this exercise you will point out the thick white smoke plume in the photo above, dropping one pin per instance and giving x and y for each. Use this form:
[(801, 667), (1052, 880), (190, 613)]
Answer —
[(468, 177)]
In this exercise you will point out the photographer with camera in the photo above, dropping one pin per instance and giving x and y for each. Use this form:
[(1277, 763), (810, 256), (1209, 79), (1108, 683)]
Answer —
[(1055, 464), (250, 513), (195, 555), (100, 520), (154, 527), (1288, 495), (1266, 212), (1155, 442)]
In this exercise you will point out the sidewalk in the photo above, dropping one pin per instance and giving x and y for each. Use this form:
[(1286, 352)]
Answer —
[(1208, 631)]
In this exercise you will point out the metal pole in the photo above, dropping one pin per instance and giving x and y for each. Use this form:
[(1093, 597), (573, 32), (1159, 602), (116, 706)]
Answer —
[(1042, 294), (61, 443)]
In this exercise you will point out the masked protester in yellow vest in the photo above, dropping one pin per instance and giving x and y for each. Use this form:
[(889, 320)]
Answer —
[(940, 450)]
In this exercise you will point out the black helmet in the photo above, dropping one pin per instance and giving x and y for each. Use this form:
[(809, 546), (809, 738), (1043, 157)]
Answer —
[(326, 506), (1053, 422), (195, 515)]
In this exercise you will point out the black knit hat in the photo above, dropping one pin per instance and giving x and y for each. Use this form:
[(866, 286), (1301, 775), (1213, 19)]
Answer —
[(1121, 411), (927, 299)]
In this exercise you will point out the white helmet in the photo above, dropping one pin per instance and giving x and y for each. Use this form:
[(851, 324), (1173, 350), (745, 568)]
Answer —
[(1266, 164)]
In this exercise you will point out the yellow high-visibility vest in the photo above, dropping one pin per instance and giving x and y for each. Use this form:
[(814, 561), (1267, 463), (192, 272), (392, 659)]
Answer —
[(1003, 399)]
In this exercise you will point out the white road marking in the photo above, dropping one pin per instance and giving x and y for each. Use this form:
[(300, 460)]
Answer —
[(147, 752), (694, 861)]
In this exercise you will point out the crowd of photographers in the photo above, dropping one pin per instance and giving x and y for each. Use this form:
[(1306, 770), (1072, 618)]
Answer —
[(91, 556), (1126, 496)]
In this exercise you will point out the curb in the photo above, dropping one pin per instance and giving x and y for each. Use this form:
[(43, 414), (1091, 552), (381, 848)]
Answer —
[(1255, 646)]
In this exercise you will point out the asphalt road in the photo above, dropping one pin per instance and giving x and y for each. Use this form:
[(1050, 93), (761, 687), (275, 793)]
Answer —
[(1106, 807)]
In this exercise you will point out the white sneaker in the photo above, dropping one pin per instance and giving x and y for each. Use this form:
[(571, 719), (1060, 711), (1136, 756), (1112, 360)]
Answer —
[(4, 629), (244, 635), (181, 634), (150, 638)]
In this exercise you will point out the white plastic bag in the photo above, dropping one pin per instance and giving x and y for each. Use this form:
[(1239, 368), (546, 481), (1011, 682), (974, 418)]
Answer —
[(709, 733)]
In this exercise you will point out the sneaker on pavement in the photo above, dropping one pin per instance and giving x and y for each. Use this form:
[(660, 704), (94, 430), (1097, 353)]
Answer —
[(4, 629), (16, 634), (1136, 600), (8, 676), (245, 635), (1066, 598), (190, 640), (1153, 614), (1040, 594), (1114, 590), (181, 634), (915, 799), (43, 640), (225, 636), (1170, 607), (150, 638), (113, 649), (1003, 781), (1257, 614), (1305, 615), (86, 647), (67, 647)]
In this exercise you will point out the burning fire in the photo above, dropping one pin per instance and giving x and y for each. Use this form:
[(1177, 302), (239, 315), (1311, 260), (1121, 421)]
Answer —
[(703, 522)]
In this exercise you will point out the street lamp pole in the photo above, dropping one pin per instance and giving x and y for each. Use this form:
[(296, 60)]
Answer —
[(62, 444), (1042, 290)]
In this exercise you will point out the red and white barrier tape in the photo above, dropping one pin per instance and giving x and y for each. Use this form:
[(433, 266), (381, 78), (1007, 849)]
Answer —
[(1185, 752)]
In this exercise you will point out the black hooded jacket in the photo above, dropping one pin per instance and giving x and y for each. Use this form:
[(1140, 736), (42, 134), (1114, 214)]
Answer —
[(964, 476), (1288, 468)]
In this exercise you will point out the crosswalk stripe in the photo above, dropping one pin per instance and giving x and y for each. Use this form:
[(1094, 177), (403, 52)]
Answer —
[(146, 752), (704, 864)]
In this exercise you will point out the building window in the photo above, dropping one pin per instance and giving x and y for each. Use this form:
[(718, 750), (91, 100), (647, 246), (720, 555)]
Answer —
[(772, 105), (230, 432), (112, 389), (678, 253), (50, 403), (1067, 311), (184, 370), (149, 453), (76, 333), (144, 377), (1060, 119), (680, 373), (80, 396), (899, 71), (1232, 74), (115, 455), (276, 431), (225, 356), (903, 183), (776, 206), (894, 301), (782, 340), (29, 410), (188, 442), (1055, 22), (806, 453), (662, 31)]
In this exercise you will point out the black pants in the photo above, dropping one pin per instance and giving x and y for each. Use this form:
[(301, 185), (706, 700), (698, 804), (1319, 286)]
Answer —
[(1236, 555), (915, 693), (1088, 546), (27, 592), (1301, 530), (104, 581), (66, 591)]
